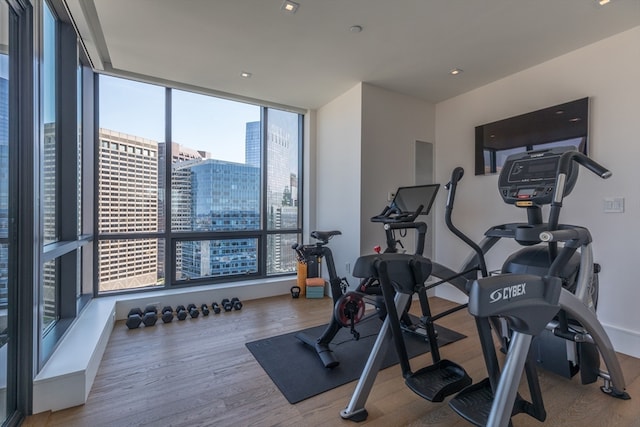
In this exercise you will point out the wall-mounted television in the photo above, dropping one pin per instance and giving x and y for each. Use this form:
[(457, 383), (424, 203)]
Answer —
[(560, 125)]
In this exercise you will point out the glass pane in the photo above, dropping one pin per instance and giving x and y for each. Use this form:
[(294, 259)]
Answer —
[(4, 172), (79, 85), (282, 170), (130, 264), (49, 163), (196, 259), (280, 257), (6, 368), (49, 293), (130, 165), (215, 177)]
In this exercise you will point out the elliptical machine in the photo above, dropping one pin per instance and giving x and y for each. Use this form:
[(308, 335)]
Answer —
[(516, 305), (544, 292)]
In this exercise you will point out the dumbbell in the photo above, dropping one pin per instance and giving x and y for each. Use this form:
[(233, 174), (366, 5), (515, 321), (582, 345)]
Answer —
[(193, 311), (215, 307), (134, 318), (226, 304), (167, 314), (181, 312), (150, 316), (237, 304), (204, 309)]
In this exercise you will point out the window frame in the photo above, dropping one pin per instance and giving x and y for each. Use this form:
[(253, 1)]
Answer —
[(171, 238)]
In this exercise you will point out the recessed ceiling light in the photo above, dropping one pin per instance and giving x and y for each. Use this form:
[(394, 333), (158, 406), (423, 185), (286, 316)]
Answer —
[(455, 71), (355, 28), (603, 2), (289, 6), (245, 75)]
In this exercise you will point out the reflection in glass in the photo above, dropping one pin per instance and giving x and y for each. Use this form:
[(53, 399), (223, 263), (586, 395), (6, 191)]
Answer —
[(5, 367), (49, 294), (49, 164)]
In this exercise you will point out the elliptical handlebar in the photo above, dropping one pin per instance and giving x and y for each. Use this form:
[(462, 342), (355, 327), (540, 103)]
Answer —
[(587, 162), (564, 167), (456, 176)]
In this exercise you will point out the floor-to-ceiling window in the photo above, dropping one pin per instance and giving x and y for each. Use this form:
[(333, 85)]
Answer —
[(4, 205), (59, 177), (219, 201)]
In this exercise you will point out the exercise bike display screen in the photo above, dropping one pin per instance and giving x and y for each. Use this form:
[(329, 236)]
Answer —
[(409, 199)]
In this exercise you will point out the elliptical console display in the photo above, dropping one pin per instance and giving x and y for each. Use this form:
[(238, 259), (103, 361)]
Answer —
[(530, 179)]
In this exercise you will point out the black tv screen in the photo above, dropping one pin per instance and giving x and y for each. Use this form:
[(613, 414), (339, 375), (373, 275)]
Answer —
[(560, 125)]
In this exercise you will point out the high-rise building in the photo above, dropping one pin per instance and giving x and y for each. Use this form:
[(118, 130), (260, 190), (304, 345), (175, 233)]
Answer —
[(252, 144), (278, 171), (127, 202), (224, 196)]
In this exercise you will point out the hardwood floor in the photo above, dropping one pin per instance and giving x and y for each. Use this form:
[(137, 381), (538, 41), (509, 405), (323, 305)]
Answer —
[(199, 373)]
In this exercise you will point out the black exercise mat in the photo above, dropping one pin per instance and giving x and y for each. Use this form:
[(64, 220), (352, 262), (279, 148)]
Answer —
[(299, 374)]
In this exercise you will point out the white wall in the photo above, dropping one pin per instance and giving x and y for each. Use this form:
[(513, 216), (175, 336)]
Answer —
[(391, 125), (608, 72), (337, 179)]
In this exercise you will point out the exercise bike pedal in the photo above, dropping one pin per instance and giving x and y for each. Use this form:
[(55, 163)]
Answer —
[(474, 404), (438, 381)]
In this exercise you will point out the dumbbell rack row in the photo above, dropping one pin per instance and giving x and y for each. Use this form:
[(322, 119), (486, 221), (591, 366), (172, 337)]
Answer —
[(150, 315)]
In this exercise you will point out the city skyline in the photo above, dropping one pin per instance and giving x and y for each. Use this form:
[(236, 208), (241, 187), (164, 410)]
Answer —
[(208, 194)]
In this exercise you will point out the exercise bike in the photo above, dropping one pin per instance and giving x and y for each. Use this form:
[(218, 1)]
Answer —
[(350, 306), (313, 254), (400, 216)]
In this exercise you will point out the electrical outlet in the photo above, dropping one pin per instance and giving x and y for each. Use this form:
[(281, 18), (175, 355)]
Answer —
[(348, 267), (390, 196), (613, 205)]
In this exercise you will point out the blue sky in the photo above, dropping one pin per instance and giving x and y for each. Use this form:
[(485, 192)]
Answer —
[(201, 122)]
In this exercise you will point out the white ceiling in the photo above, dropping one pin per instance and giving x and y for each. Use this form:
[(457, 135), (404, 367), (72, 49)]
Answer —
[(306, 59)]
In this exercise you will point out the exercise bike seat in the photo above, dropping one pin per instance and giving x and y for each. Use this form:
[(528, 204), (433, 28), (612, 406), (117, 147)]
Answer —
[(324, 236)]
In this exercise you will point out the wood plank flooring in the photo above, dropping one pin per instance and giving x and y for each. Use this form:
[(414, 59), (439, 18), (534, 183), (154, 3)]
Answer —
[(199, 373)]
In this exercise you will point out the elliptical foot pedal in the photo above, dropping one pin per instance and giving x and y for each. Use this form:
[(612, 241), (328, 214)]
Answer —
[(474, 403), (438, 381)]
